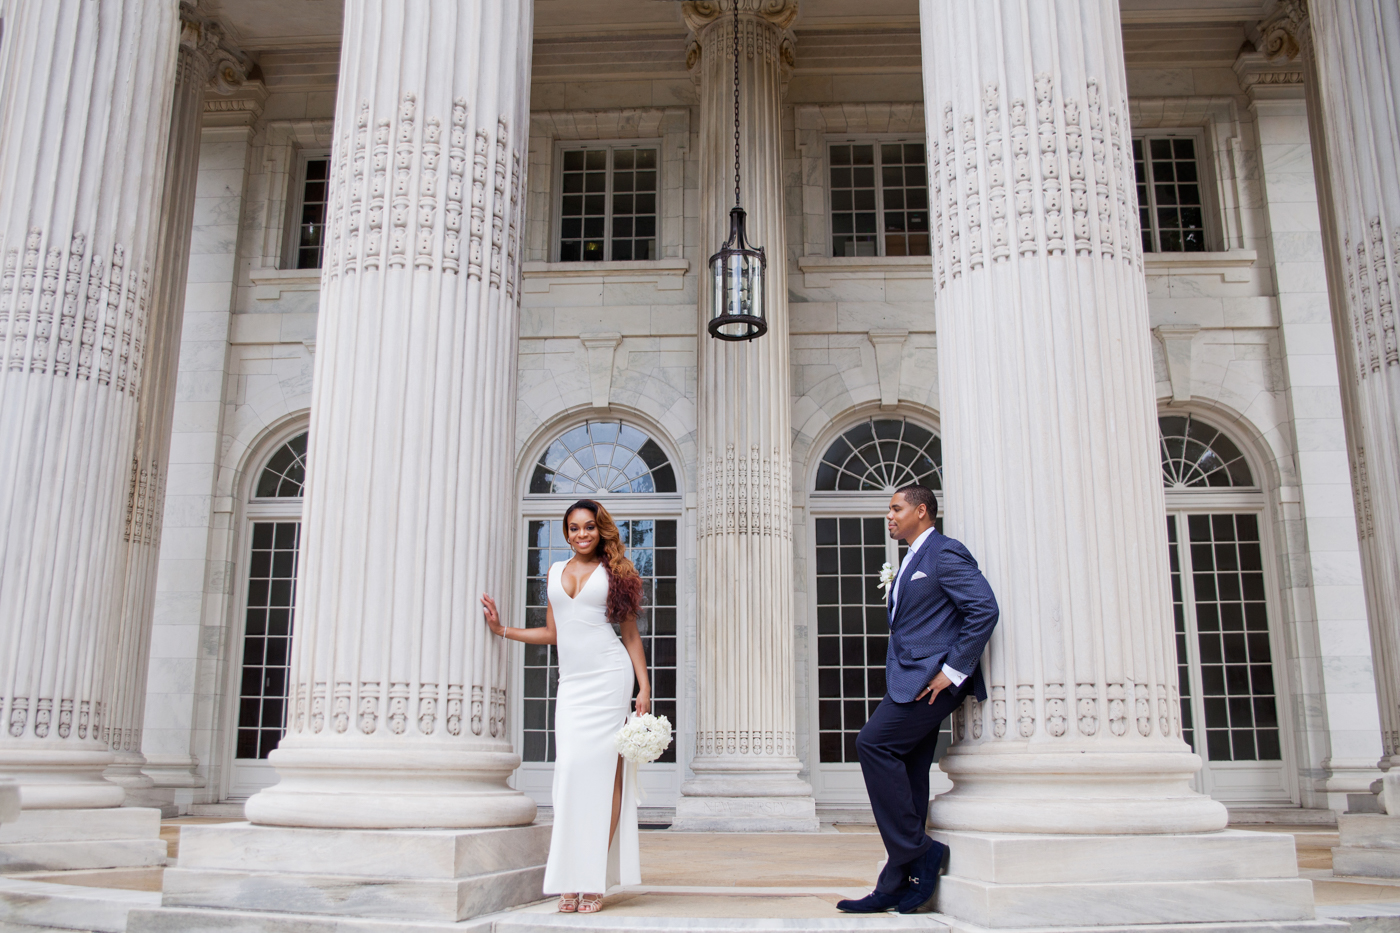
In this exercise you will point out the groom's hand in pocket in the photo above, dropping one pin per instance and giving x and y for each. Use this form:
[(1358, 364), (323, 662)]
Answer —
[(936, 686)]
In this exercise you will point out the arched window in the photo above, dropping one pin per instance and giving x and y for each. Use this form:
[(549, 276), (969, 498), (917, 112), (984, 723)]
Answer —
[(274, 536), (1226, 675), (623, 467), (881, 455), (1195, 455), (855, 477), (601, 457), (285, 473)]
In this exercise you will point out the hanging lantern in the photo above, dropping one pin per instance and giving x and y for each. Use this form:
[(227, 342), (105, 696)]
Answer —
[(736, 271)]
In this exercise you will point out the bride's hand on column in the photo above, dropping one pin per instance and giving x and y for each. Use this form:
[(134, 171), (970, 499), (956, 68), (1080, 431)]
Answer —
[(643, 701), (493, 617)]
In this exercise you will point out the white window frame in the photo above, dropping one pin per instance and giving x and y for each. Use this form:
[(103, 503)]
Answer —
[(875, 138), (253, 510), (296, 196), (556, 206), (1205, 178)]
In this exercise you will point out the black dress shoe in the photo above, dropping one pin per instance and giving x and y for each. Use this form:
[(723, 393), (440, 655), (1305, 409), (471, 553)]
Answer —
[(873, 903), (923, 877)]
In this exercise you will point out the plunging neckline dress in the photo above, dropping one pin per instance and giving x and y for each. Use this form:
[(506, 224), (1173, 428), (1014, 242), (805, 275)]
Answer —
[(592, 703)]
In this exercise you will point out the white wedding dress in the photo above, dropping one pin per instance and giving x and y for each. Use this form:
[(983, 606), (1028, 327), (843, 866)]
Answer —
[(595, 696)]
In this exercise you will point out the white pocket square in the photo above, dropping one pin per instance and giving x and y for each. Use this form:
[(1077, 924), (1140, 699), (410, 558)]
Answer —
[(918, 575)]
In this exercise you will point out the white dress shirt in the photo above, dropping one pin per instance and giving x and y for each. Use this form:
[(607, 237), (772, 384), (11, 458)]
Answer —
[(957, 677)]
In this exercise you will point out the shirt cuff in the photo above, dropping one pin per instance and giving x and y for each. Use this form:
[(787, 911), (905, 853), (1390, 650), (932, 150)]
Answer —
[(957, 677)]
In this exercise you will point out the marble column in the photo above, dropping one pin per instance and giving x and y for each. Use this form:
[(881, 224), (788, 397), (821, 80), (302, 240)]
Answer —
[(1352, 48), (201, 59), (85, 89), (398, 688), (1052, 479), (745, 764), (86, 94)]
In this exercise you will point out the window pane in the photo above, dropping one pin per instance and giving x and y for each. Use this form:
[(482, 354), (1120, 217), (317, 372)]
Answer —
[(262, 699), (594, 227), (1178, 223), (311, 231), (1237, 669), (853, 189), (850, 668)]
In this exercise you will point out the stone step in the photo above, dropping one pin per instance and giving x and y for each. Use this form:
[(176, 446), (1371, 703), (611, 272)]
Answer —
[(38, 905), (1281, 816)]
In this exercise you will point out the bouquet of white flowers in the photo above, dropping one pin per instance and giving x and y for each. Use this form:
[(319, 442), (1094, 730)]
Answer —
[(643, 738)]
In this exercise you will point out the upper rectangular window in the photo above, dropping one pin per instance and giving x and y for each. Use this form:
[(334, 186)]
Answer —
[(879, 199), (310, 211), (607, 204), (1170, 203)]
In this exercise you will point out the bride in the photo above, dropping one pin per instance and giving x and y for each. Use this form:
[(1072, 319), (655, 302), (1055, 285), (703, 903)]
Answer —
[(595, 687)]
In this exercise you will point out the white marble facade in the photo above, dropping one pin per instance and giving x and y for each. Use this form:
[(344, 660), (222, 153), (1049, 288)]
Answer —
[(1242, 339)]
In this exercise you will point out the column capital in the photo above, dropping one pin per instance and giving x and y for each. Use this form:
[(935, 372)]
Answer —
[(1286, 32), (208, 53), (701, 13)]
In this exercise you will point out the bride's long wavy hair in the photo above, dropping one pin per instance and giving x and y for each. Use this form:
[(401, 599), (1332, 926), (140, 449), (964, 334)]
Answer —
[(624, 583)]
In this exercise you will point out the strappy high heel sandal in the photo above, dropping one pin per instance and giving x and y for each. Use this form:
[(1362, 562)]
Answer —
[(568, 903), (590, 904)]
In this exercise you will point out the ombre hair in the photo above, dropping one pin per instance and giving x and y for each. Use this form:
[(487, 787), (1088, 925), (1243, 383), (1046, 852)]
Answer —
[(624, 583)]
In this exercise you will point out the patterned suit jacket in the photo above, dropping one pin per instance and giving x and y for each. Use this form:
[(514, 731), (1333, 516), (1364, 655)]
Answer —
[(943, 617)]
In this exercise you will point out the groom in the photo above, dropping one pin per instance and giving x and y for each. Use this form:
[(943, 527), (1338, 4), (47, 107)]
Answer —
[(941, 614)]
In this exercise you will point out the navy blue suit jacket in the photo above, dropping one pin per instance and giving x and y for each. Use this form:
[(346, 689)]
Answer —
[(943, 617)]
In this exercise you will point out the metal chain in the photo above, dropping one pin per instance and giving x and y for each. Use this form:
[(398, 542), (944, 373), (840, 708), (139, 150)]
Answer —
[(736, 103)]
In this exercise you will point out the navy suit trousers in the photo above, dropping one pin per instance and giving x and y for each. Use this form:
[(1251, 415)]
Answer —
[(896, 748)]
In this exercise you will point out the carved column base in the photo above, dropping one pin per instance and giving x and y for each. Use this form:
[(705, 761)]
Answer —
[(126, 772), (62, 778), (432, 785), (743, 795), (1088, 792)]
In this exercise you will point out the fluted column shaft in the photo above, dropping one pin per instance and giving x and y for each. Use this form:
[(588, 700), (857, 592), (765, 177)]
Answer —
[(86, 103), (1356, 49), (745, 738), (1049, 423), (199, 56), (398, 688)]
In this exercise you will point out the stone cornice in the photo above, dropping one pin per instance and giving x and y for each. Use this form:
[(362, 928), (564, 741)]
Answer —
[(1262, 77)]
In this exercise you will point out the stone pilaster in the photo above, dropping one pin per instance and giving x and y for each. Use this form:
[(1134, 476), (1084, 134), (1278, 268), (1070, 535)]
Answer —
[(746, 766), (201, 60), (398, 694), (86, 96), (1052, 478), (1350, 48), (1337, 743)]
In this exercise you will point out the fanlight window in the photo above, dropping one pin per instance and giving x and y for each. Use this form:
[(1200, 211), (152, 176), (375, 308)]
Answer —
[(601, 457), (284, 477), (1194, 455), (881, 455)]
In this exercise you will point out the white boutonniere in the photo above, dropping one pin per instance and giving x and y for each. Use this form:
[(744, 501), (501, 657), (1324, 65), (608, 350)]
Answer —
[(886, 578)]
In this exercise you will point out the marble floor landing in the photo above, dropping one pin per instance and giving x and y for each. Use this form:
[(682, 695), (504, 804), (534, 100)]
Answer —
[(790, 878)]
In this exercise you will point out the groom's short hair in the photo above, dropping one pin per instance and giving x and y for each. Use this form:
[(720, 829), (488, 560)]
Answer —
[(917, 495)]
